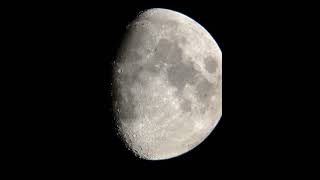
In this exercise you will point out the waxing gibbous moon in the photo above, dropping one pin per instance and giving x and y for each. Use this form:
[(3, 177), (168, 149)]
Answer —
[(167, 86)]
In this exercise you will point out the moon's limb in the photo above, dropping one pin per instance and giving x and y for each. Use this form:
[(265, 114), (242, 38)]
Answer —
[(168, 85)]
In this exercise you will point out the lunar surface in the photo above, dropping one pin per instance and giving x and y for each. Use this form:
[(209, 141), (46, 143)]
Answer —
[(167, 86)]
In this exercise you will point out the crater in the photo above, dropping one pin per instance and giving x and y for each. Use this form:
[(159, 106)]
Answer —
[(205, 90), (162, 49), (211, 64)]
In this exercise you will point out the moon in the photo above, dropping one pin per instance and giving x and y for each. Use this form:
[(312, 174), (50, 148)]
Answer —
[(167, 86)]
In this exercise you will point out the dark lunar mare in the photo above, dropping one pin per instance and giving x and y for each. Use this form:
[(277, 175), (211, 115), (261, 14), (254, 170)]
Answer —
[(181, 72)]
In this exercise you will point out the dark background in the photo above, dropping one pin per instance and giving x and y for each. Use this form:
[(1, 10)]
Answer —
[(59, 102)]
